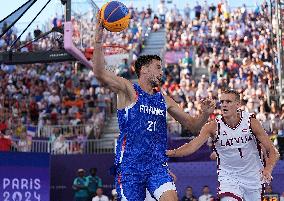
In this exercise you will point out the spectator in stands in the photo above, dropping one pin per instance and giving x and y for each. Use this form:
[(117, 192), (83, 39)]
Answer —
[(206, 194), (123, 69), (282, 197), (37, 32), (80, 186), (186, 63), (156, 23), (197, 9), (188, 195), (149, 11), (76, 147), (94, 182), (60, 145), (100, 196), (98, 119), (114, 195), (162, 10), (5, 142), (24, 144), (186, 11)]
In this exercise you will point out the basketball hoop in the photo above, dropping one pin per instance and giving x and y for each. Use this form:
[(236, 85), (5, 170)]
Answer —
[(114, 55), (79, 33)]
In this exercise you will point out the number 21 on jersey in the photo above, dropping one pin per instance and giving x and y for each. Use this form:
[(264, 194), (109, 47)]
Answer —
[(151, 126)]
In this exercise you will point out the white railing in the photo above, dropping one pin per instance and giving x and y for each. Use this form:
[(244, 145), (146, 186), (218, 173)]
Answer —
[(70, 130), (174, 127), (62, 146)]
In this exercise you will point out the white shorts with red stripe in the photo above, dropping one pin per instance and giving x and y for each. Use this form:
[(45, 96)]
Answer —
[(232, 188)]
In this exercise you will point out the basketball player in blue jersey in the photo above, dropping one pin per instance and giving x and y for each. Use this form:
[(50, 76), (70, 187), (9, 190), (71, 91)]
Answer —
[(237, 136), (141, 162)]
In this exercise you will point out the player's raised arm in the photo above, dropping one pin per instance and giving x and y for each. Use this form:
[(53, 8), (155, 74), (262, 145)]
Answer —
[(194, 124), (109, 79), (207, 130), (272, 153)]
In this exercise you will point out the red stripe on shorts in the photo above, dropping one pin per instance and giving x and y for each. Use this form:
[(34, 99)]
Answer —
[(229, 194)]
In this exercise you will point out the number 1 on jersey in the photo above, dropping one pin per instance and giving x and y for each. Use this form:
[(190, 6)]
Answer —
[(151, 126), (241, 153)]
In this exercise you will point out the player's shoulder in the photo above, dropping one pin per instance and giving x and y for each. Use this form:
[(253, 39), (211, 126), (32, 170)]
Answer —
[(247, 114), (130, 91)]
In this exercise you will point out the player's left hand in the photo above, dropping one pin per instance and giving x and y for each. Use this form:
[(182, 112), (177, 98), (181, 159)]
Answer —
[(208, 105), (266, 175)]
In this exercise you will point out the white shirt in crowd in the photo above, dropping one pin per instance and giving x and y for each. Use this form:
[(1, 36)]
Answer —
[(204, 197), (102, 198)]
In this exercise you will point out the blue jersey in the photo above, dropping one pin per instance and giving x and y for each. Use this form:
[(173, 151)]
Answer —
[(143, 133)]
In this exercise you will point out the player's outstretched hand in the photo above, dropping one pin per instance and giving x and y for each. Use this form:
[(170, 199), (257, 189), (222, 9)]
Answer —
[(207, 105), (266, 176), (171, 153)]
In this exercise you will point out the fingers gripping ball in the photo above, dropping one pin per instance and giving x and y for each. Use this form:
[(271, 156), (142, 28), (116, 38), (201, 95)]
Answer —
[(115, 16)]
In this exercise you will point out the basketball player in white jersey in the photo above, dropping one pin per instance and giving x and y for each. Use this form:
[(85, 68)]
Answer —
[(237, 136)]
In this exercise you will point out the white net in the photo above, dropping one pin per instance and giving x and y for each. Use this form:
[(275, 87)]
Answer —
[(115, 56)]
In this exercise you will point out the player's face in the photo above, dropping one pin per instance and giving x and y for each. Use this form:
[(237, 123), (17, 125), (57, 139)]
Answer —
[(155, 73), (229, 104)]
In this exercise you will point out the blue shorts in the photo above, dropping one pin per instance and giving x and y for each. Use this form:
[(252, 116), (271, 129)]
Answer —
[(132, 187)]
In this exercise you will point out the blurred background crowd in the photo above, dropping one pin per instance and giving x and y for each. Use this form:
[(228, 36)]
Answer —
[(63, 104), (233, 46)]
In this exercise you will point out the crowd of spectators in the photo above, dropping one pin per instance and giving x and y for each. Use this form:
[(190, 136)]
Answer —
[(47, 100), (235, 46)]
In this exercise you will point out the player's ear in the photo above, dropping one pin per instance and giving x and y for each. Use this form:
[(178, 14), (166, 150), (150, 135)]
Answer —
[(239, 104), (143, 70)]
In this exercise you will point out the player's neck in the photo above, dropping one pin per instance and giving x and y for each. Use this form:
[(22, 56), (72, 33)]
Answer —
[(146, 87), (233, 120)]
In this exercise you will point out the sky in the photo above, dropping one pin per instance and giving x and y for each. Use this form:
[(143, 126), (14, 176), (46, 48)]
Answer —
[(55, 6)]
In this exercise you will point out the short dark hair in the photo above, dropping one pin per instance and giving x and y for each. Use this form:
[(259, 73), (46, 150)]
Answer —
[(93, 170), (232, 91), (144, 60)]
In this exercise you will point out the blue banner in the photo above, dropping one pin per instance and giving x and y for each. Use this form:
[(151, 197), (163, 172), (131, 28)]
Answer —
[(24, 176)]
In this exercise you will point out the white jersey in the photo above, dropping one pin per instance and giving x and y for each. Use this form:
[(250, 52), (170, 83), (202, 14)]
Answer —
[(238, 151)]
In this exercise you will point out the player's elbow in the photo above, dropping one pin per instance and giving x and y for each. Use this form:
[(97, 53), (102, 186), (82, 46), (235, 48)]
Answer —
[(194, 126), (197, 129), (100, 74), (274, 153)]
